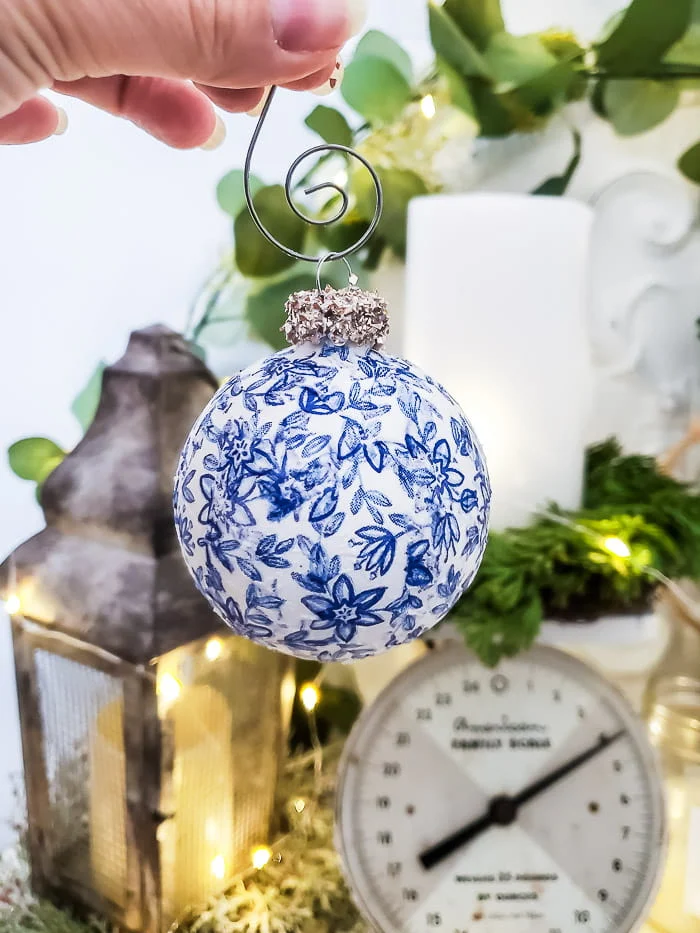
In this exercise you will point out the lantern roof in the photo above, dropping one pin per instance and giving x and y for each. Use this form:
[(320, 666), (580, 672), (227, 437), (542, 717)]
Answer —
[(107, 568)]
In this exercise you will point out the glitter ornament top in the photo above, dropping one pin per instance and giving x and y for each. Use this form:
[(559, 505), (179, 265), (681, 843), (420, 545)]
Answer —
[(350, 315)]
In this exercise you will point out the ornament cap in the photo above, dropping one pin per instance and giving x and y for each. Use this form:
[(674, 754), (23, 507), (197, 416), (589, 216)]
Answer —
[(339, 316)]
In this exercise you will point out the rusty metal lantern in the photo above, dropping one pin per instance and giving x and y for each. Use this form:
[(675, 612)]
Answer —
[(151, 740)]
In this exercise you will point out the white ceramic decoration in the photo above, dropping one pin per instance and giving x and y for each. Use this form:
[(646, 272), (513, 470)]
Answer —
[(333, 501)]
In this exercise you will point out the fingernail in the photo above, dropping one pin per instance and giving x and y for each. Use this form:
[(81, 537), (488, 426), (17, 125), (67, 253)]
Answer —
[(217, 137), (258, 109), (333, 83), (62, 124), (315, 25)]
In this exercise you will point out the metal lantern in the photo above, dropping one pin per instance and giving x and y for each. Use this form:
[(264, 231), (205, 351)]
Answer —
[(151, 741)]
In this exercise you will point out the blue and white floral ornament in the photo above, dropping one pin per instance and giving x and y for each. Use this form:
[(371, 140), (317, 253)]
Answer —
[(333, 501)]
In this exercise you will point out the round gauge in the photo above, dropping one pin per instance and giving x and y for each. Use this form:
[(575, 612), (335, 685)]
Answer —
[(524, 799)]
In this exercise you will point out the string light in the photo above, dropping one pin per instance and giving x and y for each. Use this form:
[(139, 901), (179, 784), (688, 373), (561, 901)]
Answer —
[(169, 687), (616, 546), (213, 649), (427, 106), (309, 696), (218, 867), (260, 856), (299, 805), (12, 604)]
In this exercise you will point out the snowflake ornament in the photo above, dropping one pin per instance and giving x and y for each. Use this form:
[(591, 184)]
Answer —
[(332, 502)]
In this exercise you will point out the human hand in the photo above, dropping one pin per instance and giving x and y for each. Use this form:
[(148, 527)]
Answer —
[(162, 64)]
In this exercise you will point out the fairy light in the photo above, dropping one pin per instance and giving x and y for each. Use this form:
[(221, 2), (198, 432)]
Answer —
[(169, 687), (299, 805), (427, 106), (260, 856), (616, 546), (309, 696), (218, 867), (12, 604), (213, 649)]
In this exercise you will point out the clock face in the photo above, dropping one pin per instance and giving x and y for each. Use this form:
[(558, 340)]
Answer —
[(524, 799)]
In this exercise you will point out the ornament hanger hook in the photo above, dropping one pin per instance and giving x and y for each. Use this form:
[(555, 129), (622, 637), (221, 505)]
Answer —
[(323, 186)]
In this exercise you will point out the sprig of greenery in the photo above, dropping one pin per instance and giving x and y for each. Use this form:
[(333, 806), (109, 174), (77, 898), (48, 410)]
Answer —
[(564, 570)]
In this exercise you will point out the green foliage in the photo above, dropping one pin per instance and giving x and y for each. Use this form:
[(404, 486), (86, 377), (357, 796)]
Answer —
[(480, 19), (562, 569), (85, 404), (376, 89), (44, 917), (230, 192), (255, 256), (557, 184), (35, 458), (454, 46), (634, 106), (399, 186), (376, 44), (689, 163), (330, 125), (643, 34)]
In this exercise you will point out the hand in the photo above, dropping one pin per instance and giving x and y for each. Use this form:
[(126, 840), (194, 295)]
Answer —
[(503, 810), (162, 63)]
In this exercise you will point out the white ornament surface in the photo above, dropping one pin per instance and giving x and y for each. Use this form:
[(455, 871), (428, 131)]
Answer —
[(332, 502)]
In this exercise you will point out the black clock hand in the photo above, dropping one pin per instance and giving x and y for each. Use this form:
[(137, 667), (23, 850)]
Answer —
[(503, 810)]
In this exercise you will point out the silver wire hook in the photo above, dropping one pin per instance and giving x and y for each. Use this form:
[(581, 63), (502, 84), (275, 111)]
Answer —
[(326, 147), (331, 257)]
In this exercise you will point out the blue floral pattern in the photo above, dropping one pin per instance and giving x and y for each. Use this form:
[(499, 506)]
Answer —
[(332, 502)]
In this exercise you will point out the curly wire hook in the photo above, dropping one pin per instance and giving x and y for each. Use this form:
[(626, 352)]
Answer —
[(323, 186)]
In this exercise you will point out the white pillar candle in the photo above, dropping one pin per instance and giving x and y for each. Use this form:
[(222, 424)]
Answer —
[(496, 289)]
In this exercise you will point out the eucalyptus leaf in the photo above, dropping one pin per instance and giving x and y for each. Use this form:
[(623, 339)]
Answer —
[(493, 112), (634, 106), (400, 187), (478, 19), (517, 60), (687, 50), (557, 184), (458, 89), (453, 46), (376, 89), (85, 404), (265, 308), (34, 458), (330, 125), (376, 44), (255, 256), (689, 163), (643, 34), (230, 192)]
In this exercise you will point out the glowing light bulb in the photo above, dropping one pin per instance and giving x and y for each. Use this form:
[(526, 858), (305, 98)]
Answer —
[(12, 604), (218, 867), (260, 856), (169, 687), (213, 649), (309, 696), (427, 106), (616, 546), (299, 805)]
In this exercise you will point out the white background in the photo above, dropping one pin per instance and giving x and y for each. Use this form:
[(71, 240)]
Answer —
[(103, 231)]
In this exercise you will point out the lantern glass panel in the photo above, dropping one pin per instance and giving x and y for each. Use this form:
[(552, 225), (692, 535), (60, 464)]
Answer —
[(220, 704), (83, 752)]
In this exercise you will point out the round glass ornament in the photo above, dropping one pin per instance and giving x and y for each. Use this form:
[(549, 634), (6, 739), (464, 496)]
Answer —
[(332, 502)]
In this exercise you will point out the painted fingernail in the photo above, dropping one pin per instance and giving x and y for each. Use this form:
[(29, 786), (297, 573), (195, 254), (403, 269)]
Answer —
[(333, 83), (217, 137), (258, 109), (314, 25), (62, 124), (357, 14)]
